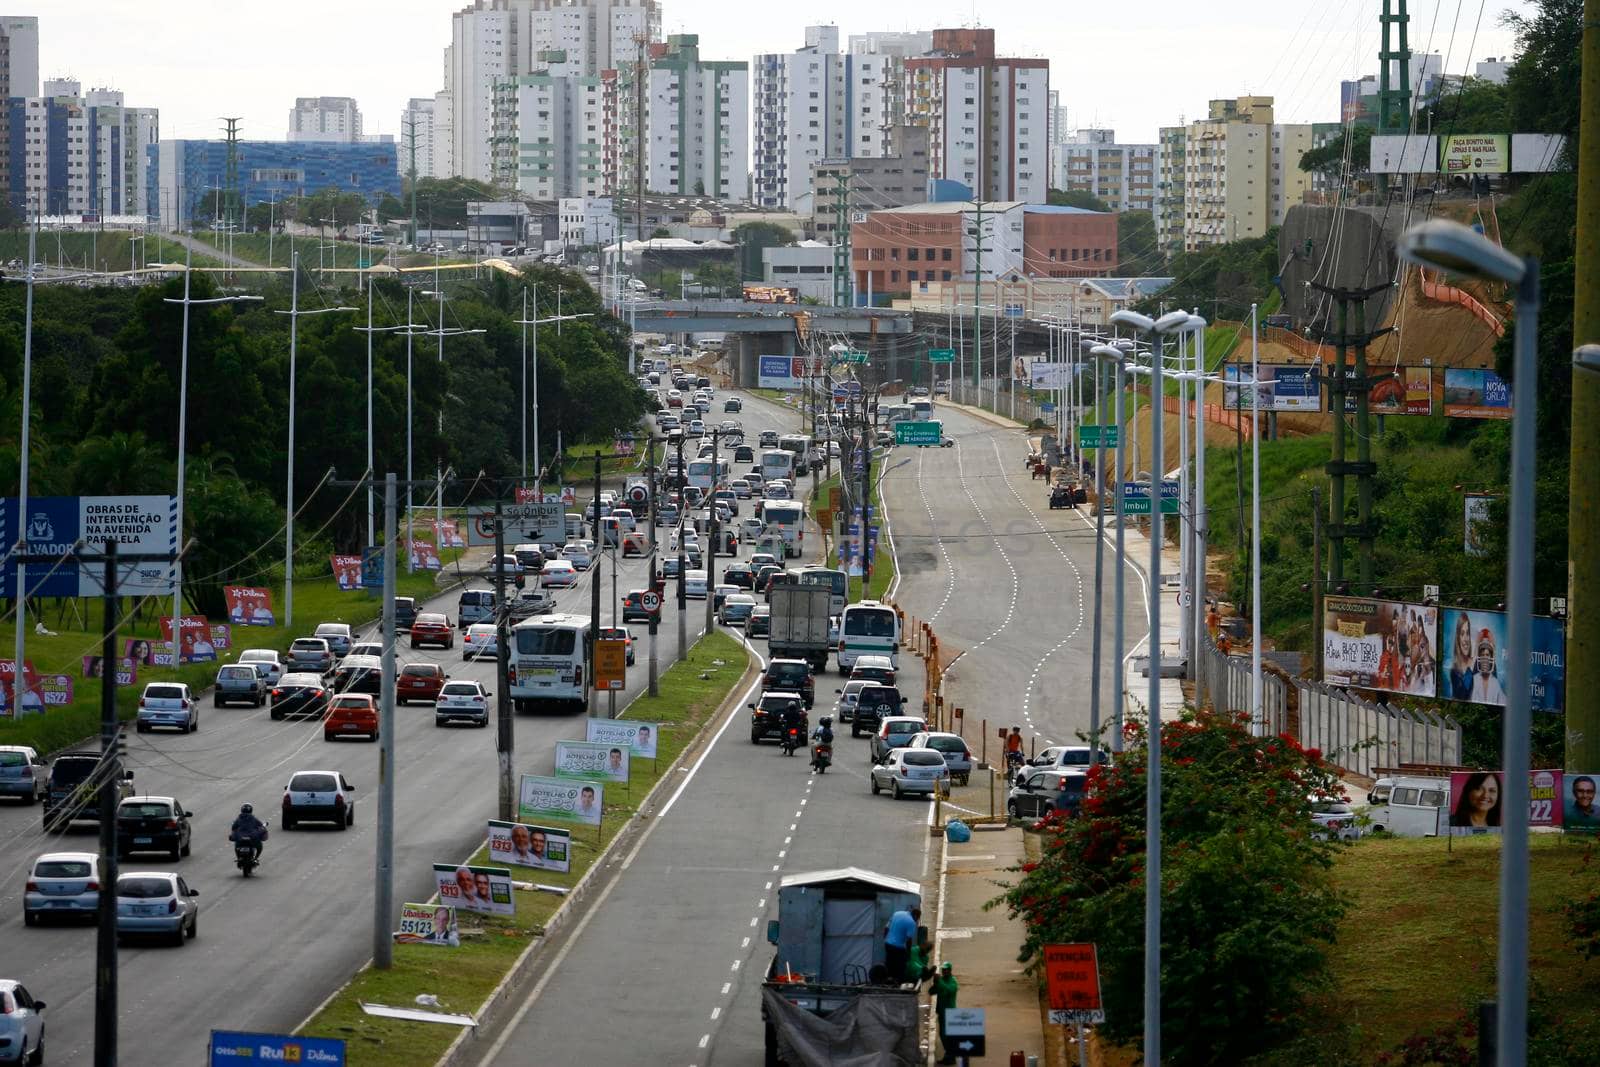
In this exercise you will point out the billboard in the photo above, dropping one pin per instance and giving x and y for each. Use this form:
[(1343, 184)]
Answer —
[(249, 605), (1579, 812), (541, 798), (780, 372), (638, 737), (1400, 153), (448, 533), (424, 555), (1472, 659), (1475, 800), (127, 670), (1476, 394), (480, 889), (539, 522), (594, 762), (147, 525), (1397, 391), (1045, 375), (1475, 153), (427, 924), (232, 1048), (346, 572), (542, 847), (1280, 388), (195, 642), (771, 294), (1379, 644)]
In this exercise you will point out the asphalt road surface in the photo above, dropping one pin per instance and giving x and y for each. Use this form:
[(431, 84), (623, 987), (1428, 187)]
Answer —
[(271, 948)]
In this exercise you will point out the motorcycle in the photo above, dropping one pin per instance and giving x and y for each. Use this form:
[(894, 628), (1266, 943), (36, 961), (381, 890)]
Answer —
[(1013, 762), (791, 740), (821, 756), (244, 856)]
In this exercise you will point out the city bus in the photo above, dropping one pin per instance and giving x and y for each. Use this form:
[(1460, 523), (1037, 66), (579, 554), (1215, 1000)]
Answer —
[(777, 463), (787, 519), (550, 663), (922, 409), (898, 413), (706, 475), (836, 581), (868, 628)]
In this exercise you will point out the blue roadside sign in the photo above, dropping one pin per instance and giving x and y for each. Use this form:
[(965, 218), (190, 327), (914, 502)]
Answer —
[(372, 567), (230, 1048)]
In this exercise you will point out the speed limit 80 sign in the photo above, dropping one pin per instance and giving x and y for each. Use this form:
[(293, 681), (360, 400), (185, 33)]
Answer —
[(650, 601)]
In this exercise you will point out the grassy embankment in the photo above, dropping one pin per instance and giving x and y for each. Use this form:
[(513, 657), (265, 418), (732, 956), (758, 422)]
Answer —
[(464, 977)]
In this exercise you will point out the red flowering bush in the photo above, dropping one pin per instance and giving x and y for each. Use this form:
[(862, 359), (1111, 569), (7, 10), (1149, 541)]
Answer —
[(1247, 906)]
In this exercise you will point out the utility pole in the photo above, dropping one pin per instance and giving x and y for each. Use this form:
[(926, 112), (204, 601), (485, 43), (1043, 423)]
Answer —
[(503, 741), (411, 141), (866, 499), (683, 595), (655, 545), (383, 896), (713, 531), (1583, 539), (843, 273), (594, 584), (977, 315), (1318, 579), (639, 40)]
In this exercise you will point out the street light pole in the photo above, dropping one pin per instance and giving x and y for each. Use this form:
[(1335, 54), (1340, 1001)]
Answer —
[(535, 322), (19, 684)]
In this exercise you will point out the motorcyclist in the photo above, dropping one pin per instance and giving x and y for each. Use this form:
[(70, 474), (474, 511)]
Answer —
[(823, 734), (249, 829), (792, 717)]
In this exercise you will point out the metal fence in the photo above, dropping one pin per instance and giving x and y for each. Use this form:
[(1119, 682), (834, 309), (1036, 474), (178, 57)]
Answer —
[(1224, 683), (1026, 409)]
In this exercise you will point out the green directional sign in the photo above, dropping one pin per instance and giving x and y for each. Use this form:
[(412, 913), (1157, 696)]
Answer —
[(941, 355), (1090, 436), (1136, 498), (852, 357), (918, 433)]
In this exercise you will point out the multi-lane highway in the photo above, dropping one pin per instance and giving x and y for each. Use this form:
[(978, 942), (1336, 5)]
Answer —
[(270, 948)]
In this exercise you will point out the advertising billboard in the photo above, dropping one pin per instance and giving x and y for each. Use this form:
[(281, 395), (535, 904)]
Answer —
[(1395, 391), (541, 798), (1476, 394), (195, 644), (232, 1048), (346, 572), (427, 924), (249, 605), (780, 372), (638, 737), (1475, 153), (520, 845), (144, 525), (1579, 812), (481, 889), (539, 522), (1472, 659), (1379, 644), (1476, 800), (1045, 375), (593, 762), (1281, 387)]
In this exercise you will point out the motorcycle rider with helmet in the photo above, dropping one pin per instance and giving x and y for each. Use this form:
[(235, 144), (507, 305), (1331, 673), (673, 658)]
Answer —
[(792, 717), (249, 829)]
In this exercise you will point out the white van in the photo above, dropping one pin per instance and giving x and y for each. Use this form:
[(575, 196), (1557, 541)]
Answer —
[(1409, 806)]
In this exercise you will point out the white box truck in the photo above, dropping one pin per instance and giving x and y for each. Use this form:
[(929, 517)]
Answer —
[(800, 622)]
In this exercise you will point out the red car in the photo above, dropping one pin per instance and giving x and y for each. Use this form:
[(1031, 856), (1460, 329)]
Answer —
[(433, 629), (351, 713), (419, 681)]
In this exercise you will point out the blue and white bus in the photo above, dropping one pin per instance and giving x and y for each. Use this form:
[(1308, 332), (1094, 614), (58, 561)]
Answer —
[(836, 581), (868, 628), (549, 663)]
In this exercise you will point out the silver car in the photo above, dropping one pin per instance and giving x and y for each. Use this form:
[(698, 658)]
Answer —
[(956, 755), (265, 660), (310, 654), (338, 636), (157, 902), (21, 1024), (62, 883), (239, 683), (22, 773), (911, 770), (462, 702)]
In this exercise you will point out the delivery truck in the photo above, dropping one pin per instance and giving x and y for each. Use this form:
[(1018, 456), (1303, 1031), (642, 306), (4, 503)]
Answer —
[(800, 621)]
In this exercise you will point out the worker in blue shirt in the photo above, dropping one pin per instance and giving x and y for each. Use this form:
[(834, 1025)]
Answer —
[(902, 934)]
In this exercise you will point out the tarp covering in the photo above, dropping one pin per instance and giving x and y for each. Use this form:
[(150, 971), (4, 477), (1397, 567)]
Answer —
[(871, 1030)]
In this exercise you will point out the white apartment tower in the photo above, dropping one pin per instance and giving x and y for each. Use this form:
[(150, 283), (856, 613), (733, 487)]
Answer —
[(800, 116), (1091, 161), (416, 134), (596, 35), (697, 127), (481, 54), (875, 76), (557, 136), (1240, 173), (325, 118), (82, 154)]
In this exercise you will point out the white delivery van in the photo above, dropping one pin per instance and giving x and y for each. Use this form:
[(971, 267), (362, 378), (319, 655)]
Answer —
[(1409, 806)]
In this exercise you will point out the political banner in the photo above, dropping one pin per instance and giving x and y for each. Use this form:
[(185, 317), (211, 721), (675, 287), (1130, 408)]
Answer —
[(525, 494), (481, 889), (372, 568), (780, 372), (1472, 660), (520, 845), (143, 653), (233, 1048), (1476, 394), (55, 525), (448, 533), (127, 670), (1475, 153), (1579, 812), (638, 737), (32, 699), (541, 798), (55, 690), (347, 572), (428, 924), (1395, 391), (194, 639), (1287, 387), (567, 496), (592, 762), (1475, 521), (221, 636), (1477, 800), (1379, 644), (424, 555), (249, 605)]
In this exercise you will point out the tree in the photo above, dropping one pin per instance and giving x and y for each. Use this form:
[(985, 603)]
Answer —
[(751, 238), (1542, 87), (1075, 198), (1222, 280), (1136, 245), (659, 232), (1329, 159), (1249, 908)]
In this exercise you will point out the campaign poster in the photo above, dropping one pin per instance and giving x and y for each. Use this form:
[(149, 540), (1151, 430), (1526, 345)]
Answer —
[(1472, 659), (544, 848), (127, 670), (1579, 812), (1395, 391), (221, 635), (584, 759), (32, 699), (526, 494), (424, 555), (143, 653), (480, 889), (1475, 521), (428, 924), (1477, 800), (249, 605), (55, 690), (567, 496), (1379, 644), (541, 799), (639, 737), (194, 640), (347, 572), (448, 532), (1476, 394)]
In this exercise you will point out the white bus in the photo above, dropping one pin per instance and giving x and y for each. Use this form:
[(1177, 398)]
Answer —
[(705, 475), (836, 581), (549, 663), (786, 518), (868, 628), (776, 464), (922, 409), (898, 413), (798, 443)]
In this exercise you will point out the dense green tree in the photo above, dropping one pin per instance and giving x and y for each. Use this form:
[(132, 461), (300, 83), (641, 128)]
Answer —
[(752, 238), (1329, 159), (1221, 280), (1136, 245), (1075, 198)]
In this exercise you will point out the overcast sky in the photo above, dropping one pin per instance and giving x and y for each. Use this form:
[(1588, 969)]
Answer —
[(200, 59)]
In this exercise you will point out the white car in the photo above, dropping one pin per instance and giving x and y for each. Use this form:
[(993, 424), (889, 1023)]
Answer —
[(168, 704), (319, 796), (462, 701), (157, 902), (777, 491), (265, 661), (480, 640), (558, 574), (578, 556), (695, 585), (741, 488), (21, 1024), (910, 770), (1335, 820), (750, 529), (63, 884)]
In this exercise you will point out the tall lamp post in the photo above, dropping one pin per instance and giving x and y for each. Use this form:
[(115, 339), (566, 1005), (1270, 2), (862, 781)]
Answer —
[(1157, 329), (183, 433), (1451, 247), (535, 322), (369, 330), (19, 684), (1115, 357), (441, 333)]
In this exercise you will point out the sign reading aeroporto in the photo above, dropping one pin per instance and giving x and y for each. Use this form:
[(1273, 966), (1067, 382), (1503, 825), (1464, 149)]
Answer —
[(53, 525)]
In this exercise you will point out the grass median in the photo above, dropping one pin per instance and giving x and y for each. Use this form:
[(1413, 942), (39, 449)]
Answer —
[(883, 563), (463, 978)]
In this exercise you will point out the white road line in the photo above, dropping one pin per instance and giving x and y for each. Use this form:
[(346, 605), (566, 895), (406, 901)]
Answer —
[(725, 987), (705, 1040), (715, 1012), (933, 531)]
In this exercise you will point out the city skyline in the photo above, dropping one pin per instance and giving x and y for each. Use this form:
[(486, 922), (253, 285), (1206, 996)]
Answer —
[(1298, 58)]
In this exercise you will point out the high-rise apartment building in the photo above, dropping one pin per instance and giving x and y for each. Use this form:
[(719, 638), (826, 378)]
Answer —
[(415, 144), (551, 133), (482, 53), (1091, 161), (801, 116), (876, 86), (1169, 199), (987, 116), (325, 118), (697, 122), (871, 183), (77, 153), (21, 33), (596, 35)]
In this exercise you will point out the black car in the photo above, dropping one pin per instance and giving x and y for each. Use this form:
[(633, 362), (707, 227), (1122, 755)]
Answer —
[(765, 575), (744, 454), (1060, 497), (790, 675), (873, 704), (153, 824), (738, 574), (766, 716), (301, 695), (71, 794)]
